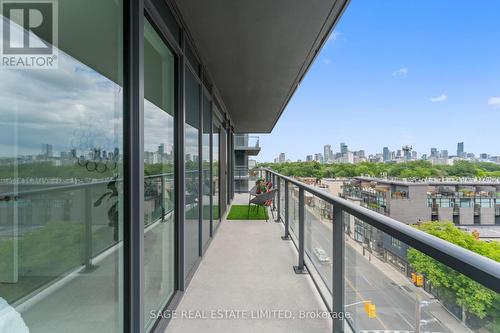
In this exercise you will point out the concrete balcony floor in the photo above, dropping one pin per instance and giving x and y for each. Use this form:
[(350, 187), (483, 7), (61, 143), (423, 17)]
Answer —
[(249, 268)]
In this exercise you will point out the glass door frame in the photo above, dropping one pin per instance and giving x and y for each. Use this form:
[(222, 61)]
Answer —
[(217, 123), (170, 27)]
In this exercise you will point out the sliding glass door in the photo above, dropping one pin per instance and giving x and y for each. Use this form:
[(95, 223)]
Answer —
[(61, 177), (159, 172), (216, 174), (206, 171), (192, 172), (70, 151)]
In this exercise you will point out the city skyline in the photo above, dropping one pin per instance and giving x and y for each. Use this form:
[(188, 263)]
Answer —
[(387, 153), (414, 79)]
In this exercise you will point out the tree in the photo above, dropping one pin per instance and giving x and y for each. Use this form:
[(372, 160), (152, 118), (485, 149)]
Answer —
[(413, 169), (476, 299)]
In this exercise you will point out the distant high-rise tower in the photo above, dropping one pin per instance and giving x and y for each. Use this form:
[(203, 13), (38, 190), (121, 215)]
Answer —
[(343, 148), (386, 154), (434, 152), (282, 158), (460, 149), (47, 150), (407, 152), (327, 153)]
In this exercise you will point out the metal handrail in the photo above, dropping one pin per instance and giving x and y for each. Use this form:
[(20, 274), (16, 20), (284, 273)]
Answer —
[(477, 267), (250, 141)]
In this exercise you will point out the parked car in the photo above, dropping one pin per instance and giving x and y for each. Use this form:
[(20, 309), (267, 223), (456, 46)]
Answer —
[(321, 255)]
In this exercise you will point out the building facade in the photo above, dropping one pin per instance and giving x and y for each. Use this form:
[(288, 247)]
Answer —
[(245, 146), (469, 204)]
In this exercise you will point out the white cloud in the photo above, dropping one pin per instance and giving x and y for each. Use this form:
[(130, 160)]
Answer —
[(401, 72), (334, 36), (494, 101), (440, 98), (327, 61)]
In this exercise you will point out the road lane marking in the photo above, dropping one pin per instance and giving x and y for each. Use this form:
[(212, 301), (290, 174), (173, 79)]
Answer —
[(404, 318), (367, 281), (363, 299)]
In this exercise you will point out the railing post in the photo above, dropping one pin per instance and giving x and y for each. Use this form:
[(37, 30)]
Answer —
[(300, 268), (88, 206), (278, 198), (287, 230), (273, 177), (338, 269)]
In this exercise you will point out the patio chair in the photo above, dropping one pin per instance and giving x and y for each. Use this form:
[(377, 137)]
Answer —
[(252, 193), (263, 200)]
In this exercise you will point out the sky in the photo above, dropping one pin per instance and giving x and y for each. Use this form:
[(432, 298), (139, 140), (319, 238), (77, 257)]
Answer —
[(399, 72)]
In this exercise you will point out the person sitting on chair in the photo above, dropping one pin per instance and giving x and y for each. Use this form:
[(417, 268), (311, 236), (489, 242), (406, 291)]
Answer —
[(269, 186), (261, 186)]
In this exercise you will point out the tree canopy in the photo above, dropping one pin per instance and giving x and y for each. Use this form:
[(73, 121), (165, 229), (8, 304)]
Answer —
[(478, 300), (412, 169)]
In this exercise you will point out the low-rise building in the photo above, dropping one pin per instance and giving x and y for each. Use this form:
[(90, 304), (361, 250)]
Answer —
[(471, 204)]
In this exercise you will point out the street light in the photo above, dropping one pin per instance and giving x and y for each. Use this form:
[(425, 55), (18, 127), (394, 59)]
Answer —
[(418, 314)]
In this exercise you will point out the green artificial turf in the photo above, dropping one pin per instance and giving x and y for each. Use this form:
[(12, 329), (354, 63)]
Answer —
[(240, 212)]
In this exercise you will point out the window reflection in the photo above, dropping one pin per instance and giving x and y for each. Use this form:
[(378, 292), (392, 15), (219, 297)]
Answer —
[(206, 169), (159, 191), (61, 181), (192, 172)]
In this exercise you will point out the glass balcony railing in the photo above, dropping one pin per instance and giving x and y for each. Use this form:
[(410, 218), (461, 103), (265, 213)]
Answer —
[(377, 274), (246, 141)]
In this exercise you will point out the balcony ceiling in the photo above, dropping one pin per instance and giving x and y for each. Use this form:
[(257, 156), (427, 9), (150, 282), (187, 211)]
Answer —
[(258, 51)]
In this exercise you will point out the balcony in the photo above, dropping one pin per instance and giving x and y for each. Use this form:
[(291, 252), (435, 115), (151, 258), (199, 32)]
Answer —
[(248, 143), (249, 268), (119, 216)]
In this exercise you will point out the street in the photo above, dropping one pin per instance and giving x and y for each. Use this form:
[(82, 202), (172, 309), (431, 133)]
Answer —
[(395, 307)]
